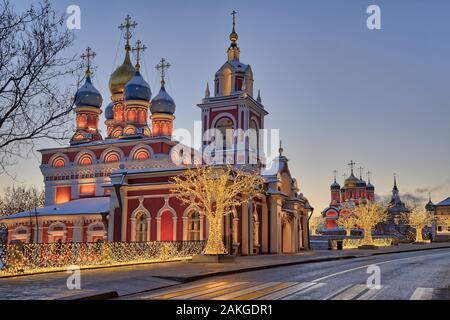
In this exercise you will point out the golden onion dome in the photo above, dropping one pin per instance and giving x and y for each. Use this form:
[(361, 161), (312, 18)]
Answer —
[(121, 75)]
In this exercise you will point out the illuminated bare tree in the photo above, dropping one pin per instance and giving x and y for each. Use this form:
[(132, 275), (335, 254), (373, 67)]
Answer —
[(33, 73), (315, 223), (347, 220), (417, 218), (367, 216), (216, 191)]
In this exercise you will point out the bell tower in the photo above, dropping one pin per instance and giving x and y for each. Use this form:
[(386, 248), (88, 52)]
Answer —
[(232, 118)]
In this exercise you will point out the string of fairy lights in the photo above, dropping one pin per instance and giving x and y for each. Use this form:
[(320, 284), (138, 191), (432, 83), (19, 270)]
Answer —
[(43, 257)]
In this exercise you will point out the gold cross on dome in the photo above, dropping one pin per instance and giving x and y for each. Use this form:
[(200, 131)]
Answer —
[(369, 175), (162, 66), (335, 172), (138, 49), (233, 13), (127, 27), (87, 57), (352, 165), (361, 170)]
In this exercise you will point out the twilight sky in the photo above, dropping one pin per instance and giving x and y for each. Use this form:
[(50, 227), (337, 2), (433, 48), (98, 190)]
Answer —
[(336, 90)]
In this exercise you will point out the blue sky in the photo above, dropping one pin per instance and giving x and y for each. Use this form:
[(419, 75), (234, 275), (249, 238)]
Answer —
[(337, 90)]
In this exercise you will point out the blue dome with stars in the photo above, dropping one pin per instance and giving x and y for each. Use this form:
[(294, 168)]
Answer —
[(137, 89), (88, 95), (109, 112)]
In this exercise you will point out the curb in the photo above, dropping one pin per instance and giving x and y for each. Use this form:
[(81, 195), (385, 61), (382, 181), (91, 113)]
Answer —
[(286, 264), (96, 296)]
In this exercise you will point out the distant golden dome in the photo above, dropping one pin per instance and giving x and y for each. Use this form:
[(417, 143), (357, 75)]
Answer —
[(121, 75)]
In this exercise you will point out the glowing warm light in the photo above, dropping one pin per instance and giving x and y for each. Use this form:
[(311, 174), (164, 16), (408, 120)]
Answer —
[(85, 160), (217, 191), (87, 190), (44, 257), (347, 220), (63, 195), (367, 216), (315, 223), (141, 154), (357, 242), (112, 157), (417, 218), (59, 163)]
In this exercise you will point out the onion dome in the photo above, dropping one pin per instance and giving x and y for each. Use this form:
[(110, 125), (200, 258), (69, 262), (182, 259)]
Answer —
[(137, 88), (109, 111), (335, 186), (351, 181), (361, 183), (429, 206), (370, 187), (88, 95), (162, 103), (122, 75)]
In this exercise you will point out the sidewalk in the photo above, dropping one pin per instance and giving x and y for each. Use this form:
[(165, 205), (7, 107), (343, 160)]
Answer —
[(141, 278)]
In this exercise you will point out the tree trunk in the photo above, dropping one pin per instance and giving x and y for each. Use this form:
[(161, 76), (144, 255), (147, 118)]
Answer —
[(367, 240), (419, 237), (214, 243)]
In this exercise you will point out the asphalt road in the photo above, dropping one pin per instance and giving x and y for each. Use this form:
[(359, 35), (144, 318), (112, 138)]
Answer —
[(402, 276)]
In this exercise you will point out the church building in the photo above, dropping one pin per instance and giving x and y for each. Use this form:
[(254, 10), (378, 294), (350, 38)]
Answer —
[(116, 187), (354, 192)]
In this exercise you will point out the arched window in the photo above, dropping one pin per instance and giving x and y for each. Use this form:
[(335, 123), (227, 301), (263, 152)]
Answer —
[(141, 227), (226, 128), (194, 226), (59, 162), (141, 154), (112, 157), (85, 160)]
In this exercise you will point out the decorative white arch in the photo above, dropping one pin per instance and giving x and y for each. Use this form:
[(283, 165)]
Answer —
[(164, 208), (224, 115), (186, 213), (140, 210), (112, 149), (21, 236), (139, 147), (52, 233), (91, 232), (58, 155), (84, 152)]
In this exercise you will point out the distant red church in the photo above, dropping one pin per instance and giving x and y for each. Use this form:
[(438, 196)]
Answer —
[(354, 192)]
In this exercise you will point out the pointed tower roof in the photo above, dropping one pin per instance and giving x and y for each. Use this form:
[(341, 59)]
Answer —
[(233, 50)]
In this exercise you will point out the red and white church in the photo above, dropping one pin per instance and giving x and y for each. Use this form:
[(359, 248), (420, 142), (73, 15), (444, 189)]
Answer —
[(117, 187)]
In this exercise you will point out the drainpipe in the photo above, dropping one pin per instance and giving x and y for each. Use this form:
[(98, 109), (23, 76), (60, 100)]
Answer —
[(307, 229), (117, 187)]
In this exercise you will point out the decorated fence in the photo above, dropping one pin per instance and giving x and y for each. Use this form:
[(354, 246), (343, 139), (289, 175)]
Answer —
[(18, 259)]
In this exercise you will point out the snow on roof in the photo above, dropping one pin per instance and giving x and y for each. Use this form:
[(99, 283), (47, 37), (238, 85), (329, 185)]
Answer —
[(445, 202), (81, 206)]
